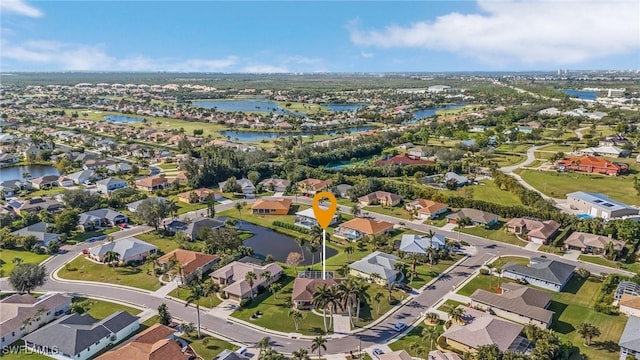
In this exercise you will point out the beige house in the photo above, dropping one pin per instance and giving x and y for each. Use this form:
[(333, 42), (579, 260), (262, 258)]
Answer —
[(536, 231), (383, 198), (591, 243), (232, 278), (630, 305)]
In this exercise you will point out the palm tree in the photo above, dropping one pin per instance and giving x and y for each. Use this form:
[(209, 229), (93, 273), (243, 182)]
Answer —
[(318, 343), (588, 331), (266, 275), (152, 259), (377, 298), (430, 334), (361, 294), (320, 301), (349, 250), (250, 278), (300, 354), (172, 207), (274, 288), (111, 257), (432, 318), (17, 260), (347, 289), (313, 248), (356, 211), (296, 316), (211, 208), (209, 289), (195, 294), (301, 242), (263, 344), (456, 315), (333, 302), (400, 267), (239, 207), (491, 267)]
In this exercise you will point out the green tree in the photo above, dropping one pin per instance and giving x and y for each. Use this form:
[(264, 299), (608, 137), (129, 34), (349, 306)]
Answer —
[(250, 278), (111, 258), (26, 277), (588, 331), (377, 298), (164, 314), (319, 343), (296, 316), (195, 294), (67, 221), (430, 334), (152, 211), (300, 354), (456, 315), (320, 301), (489, 352)]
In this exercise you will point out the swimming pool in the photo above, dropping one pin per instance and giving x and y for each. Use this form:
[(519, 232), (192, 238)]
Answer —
[(585, 216)]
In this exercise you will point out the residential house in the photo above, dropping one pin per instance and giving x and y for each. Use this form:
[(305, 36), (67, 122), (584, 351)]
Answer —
[(192, 263), (477, 217), (80, 337), (541, 272), (130, 249), (274, 206), (418, 152), (439, 355), (426, 209), (536, 231), (98, 218), (383, 198), (35, 204), (613, 140), (231, 278), (312, 186), (158, 342), (106, 186), (119, 168), (592, 164), (420, 244), (173, 226), (599, 205), (626, 288), (630, 339), (356, 228), (9, 188), (342, 190), (396, 355), (405, 146), (199, 195), (82, 176), (248, 189), (591, 243), (275, 185), (133, 207), (518, 303), (94, 164), (629, 305), (39, 231), (49, 181), (483, 329), (21, 314), (153, 183), (376, 263), (401, 160), (197, 224), (8, 159), (609, 151), (307, 218), (227, 354), (459, 179), (304, 288)]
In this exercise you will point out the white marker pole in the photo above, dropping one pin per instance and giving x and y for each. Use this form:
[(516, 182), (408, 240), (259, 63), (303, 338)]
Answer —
[(324, 252)]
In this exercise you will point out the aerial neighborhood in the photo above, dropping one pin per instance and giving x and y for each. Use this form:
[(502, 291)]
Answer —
[(477, 217)]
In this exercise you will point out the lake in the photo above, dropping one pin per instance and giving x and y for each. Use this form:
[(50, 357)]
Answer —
[(425, 113), (343, 107), (243, 135), (581, 94), (268, 242), (261, 106), (122, 119), (15, 173)]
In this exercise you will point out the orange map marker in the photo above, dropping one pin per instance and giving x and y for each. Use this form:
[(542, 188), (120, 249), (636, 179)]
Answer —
[(324, 217)]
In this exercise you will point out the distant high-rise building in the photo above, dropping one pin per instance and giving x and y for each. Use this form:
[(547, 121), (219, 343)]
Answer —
[(559, 71)]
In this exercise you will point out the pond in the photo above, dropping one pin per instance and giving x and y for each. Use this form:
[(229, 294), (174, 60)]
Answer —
[(343, 107), (122, 119), (581, 94), (268, 242), (243, 135), (425, 113), (17, 172), (261, 105)]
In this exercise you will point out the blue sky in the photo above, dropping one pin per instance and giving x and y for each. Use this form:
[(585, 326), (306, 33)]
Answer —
[(327, 36)]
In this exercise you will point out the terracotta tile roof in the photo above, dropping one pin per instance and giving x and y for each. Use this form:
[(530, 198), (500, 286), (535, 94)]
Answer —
[(429, 206), (152, 181), (380, 195), (630, 301), (151, 344), (536, 228), (315, 184), (272, 204), (303, 288), (582, 240), (368, 226), (201, 193), (190, 260)]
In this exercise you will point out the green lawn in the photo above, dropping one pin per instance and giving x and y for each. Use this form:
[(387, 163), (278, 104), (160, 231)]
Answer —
[(559, 184), (101, 309), (83, 269), (521, 148), (150, 321), (275, 311), (208, 302), (635, 267), (167, 166), (573, 306), (397, 211), (369, 311), (166, 244), (413, 342), (508, 160), (16, 352), (426, 272), (488, 191), (449, 304), (209, 346), (485, 282), (543, 155), (511, 259), (267, 220), (184, 208), (7, 256), (82, 236), (496, 233), (558, 148)]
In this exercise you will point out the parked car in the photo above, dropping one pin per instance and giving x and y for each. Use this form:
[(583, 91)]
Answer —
[(400, 326), (85, 251), (123, 225), (377, 352)]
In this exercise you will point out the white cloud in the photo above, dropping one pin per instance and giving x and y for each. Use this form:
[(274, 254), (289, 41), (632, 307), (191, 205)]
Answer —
[(529, 32), (19, 7), (51, 55), (366, 55)]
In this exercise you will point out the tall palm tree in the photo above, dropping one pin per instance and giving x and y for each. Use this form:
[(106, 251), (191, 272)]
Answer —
[(211, 208), (318, 343), (172, 207), (349, 250), (266, 276), (296, 316), (346, 289), (356, 211), (377, 298), (196, 292), (333, 302), (429, 334), (361, 294), (209, 289), (300, 354), (491, 267), (313, 249), (456, 314), (250, 278), (320, 301), (111, 257), (263, 344), (152, 259), (301, 242)]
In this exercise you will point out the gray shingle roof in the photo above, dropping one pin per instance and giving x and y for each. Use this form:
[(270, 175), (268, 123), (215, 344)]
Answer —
[(39, 230), (551, 271), (200, 223), (377, 262), (103, 214), (630, 338), (518, 299), (126, 248), (74, 333), (419, 244)]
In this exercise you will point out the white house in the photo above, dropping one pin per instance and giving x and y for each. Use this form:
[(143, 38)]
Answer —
[(376, 263), (105, 186)]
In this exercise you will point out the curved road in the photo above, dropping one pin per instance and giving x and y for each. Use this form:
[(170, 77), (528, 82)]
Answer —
[(381, 333)]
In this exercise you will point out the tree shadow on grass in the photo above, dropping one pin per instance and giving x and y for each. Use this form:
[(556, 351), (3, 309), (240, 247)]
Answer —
[(557, 325), (128, 271), (608, 346), (574, 285)]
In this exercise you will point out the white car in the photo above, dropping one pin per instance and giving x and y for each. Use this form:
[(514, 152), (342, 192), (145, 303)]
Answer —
[(377, 352)]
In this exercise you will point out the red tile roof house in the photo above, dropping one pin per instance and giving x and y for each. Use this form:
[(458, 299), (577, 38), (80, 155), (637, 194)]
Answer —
[(427, 209), (536, 231), (312, 186), (153, 183), (193, 263), (592, 164)]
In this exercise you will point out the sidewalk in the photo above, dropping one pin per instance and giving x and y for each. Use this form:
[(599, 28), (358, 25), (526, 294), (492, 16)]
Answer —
[(165, 289)]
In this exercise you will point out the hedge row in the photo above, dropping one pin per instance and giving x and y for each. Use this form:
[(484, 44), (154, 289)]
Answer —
[(293, 227)]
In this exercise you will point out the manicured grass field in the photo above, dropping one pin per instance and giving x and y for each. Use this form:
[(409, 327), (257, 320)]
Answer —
[(397, 211), (7, 256), (508, 160), (184, 208), (102, 309), (208, 347), (496, 233), (209, 302), (511, 259), (484, 282), (426, 273), (449, 304), (573, 306), (558, 148), (82, 236), (488, 191), (521, 148), (83, 269), (413, 342), (303, 107), (559, 184), (635, 267), (543, 155)]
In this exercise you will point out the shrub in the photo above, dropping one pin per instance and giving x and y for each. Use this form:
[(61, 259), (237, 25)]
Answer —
[(293, 227), (484, 271)]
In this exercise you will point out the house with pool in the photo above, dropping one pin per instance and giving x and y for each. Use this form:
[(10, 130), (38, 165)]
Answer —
[(356, 228), (307, 218)]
